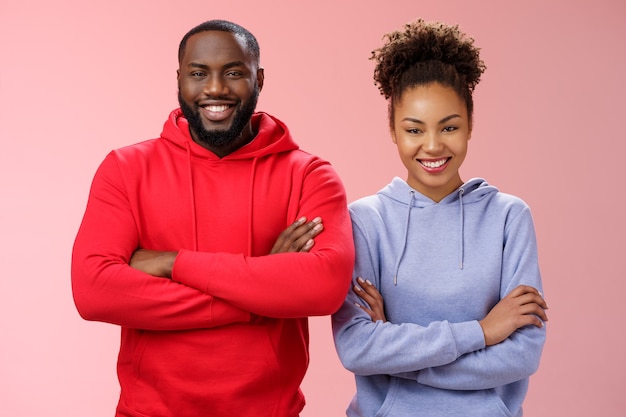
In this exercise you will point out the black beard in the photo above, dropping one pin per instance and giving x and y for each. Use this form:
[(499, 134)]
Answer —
[(219, 138)]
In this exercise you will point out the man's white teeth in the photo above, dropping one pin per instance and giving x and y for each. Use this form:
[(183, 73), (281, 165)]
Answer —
[(434, 164), (216, 109)]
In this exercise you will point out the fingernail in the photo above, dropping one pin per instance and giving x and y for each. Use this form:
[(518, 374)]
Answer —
[(317, 220), (357, 289), (357, 304), (301, 220), (369, 282), (360, 280), (318, 227)]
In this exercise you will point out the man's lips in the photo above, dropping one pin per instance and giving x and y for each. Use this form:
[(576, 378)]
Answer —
[(217, 112)]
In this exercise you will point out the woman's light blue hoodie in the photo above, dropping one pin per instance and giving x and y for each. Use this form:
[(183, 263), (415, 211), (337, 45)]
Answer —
[(440, 267)]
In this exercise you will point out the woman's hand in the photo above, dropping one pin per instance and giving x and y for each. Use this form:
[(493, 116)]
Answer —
[(368, 292), (524, 306)]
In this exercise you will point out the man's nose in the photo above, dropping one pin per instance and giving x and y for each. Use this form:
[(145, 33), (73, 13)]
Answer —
[(215, 86)]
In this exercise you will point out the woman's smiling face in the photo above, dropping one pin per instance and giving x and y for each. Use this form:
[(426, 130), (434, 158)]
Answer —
[(431, 129)]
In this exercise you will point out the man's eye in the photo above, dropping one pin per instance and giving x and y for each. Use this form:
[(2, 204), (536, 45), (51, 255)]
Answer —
[(197, 74)]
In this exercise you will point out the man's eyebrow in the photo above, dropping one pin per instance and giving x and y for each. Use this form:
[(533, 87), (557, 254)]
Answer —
[(206, 67), (197, 65)]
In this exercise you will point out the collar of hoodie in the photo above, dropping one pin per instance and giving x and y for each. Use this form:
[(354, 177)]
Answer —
[(412, 198), (192, 197)]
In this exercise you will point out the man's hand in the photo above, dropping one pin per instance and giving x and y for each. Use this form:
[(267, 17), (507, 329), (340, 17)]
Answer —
[(524, 306), (298, 237), (154, 262), (368, 292)]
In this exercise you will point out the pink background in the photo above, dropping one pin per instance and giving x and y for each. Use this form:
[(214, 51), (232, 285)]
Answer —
[(79, 78)]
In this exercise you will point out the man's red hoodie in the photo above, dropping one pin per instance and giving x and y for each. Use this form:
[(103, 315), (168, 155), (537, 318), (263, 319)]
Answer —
[(227, 335)]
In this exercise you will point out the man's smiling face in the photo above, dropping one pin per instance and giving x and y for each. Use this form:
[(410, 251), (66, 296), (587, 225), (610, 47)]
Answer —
[(218, 88)]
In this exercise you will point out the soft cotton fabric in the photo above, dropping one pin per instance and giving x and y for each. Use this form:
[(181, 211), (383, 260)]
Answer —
[(227, 335), (440, 268)]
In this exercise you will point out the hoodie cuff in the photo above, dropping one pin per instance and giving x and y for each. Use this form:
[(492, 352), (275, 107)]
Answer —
[(469, 337), (192, 269)]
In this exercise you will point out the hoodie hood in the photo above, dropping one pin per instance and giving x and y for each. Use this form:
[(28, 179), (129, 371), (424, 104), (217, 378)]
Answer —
[(472, 191), (272, 137)]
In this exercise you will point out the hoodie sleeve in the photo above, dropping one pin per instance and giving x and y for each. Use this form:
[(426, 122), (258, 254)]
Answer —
[(518, 356), (106, 288), (370, 348), (285, 285)]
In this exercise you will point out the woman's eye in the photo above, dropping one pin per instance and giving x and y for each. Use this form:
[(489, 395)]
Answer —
[(414, 131), (449, 128)]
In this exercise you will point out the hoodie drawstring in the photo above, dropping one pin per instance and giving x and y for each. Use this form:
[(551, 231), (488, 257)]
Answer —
[(406, 234), (194, 220), (462, 221), (406, 237), (251, 208)]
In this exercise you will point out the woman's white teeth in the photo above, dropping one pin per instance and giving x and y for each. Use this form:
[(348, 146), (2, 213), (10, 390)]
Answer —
[(434, 164)]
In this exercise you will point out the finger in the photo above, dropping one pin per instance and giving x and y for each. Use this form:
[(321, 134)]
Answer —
[(303, 237), (297, 236), (367, 291), (530, 320), (293, 226), (367, 285), (364, 308), (298, 231), (308, 228), (371, 302), (521, 290), (532, 298), (283, 241), (308, 245), (535, 309)]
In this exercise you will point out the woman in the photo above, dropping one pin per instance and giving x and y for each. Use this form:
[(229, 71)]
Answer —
[(462, 324)]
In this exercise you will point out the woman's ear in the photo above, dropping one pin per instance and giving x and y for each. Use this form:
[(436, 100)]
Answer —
[(392, 132)]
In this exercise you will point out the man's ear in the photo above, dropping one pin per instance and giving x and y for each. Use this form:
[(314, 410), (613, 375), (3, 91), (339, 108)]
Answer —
[(260, 77)]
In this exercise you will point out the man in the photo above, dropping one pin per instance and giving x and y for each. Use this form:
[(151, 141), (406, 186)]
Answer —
[(197, 245)]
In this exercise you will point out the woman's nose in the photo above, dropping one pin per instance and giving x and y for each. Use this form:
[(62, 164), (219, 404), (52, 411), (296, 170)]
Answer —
[(432, 142)]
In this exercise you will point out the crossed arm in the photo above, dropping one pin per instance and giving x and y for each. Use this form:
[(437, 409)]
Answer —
[(133, 297), (298, 237), (524, 306), (113, 282)]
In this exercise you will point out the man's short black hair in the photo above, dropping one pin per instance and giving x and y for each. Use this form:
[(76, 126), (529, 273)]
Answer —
[(222, 26)]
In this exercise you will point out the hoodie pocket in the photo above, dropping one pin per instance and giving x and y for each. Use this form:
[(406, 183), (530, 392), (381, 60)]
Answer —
[(409, 398), (387, 408)]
